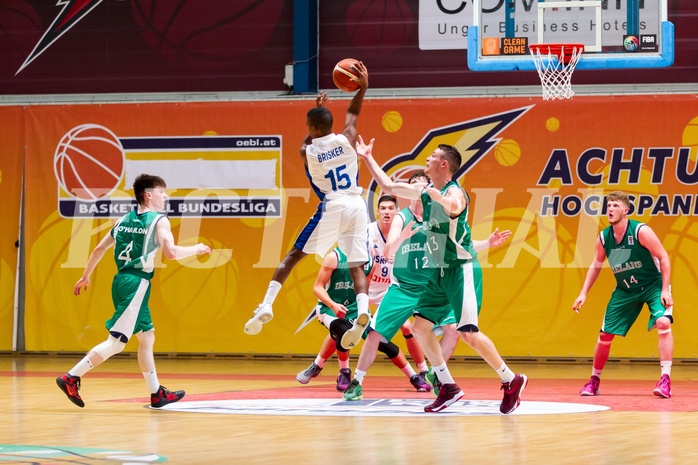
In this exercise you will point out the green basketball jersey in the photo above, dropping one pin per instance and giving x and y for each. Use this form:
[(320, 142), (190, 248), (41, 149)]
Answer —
[(135, 243), (411, 269), (631, 263), (340, 287), (450, 234)]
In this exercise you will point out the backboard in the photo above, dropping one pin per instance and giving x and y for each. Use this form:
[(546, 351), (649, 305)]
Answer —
[(615, 33)]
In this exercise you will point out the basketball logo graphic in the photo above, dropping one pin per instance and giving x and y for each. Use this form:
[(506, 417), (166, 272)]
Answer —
[(507, 152), (388, 23), (392, 121), (89, 162), (631, 43), (189, 36), (690, 138), (552, 124)]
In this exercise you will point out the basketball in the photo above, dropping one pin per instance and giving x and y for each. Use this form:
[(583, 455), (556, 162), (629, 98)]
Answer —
[(342, 74), (89, 162)]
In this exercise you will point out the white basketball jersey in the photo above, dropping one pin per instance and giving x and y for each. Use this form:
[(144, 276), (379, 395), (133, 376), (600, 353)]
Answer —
[(380, 281), (333, 165)]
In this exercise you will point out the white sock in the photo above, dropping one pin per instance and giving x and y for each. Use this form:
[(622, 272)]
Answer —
[(319, 361), (362, 303), (272, 292), (505, 374), (666, 367), (82, 367), (422, 367), (596, 372), (408, 370), (151, 378), (343, 363), (359, 375), (443, 374)]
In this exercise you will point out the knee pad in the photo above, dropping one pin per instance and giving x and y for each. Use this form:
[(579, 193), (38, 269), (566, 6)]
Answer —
[(389, 349), (109, 347), (337, 329)]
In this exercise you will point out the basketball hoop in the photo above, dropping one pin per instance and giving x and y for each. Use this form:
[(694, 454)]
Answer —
[(555, 64)]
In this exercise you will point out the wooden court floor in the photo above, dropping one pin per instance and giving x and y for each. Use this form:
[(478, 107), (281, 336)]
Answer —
[(38, 425)]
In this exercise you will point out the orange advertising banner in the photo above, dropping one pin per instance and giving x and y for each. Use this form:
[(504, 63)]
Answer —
[(236, 183), (11, 156)]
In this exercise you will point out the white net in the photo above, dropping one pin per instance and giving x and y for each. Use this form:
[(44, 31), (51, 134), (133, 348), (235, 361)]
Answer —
[(555, 73)]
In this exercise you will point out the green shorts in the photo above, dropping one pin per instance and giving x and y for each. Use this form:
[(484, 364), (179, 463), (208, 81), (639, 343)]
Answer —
[(625, 306), (458, 287), (352, 311), (130, 294), (398, 306)]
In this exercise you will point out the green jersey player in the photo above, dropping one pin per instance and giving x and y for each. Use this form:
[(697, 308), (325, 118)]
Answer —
[(136, 239), (643, 275)]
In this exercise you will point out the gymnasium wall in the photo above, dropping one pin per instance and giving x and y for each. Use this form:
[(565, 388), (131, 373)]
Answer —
[(538, 169), (137, 46)]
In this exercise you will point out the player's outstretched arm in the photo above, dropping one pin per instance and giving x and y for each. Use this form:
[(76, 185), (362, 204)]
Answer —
[(173, 251), (95, 257), (592, 274), (356, 103), (401, 189)]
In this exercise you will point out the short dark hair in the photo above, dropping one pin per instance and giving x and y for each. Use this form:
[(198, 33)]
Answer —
[(321, 118), (144, 182), (418, 174), (387, 198), (452, 156)]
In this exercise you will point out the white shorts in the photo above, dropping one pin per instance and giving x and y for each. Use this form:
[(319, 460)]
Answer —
[(342, 220)]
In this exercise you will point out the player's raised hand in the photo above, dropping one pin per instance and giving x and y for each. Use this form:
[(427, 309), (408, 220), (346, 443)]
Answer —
[(362, 72), (321, 99), (82, 282), (364, 150)]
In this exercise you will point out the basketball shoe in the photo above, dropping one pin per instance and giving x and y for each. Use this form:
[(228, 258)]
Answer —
[(354, 391), (164, 397), (344, 379), (419, 382), (663, 388), (262, 315), (592, 387), (448, 394), (70, 386), (311, 372), (512, 393), (353, 335), (434, 381)]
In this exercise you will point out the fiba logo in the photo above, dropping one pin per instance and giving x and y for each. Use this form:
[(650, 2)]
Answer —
[(630, 43)]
